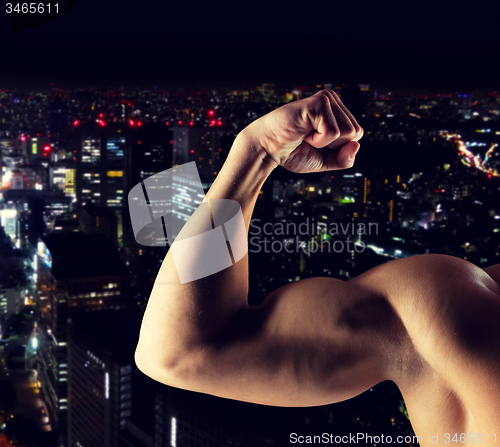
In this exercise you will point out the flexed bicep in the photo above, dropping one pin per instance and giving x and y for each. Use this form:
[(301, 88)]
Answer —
[(313, 342)]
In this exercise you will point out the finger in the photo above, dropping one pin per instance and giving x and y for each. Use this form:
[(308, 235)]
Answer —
[(323, 122), (347, 128), (342, 158), (358, 129)]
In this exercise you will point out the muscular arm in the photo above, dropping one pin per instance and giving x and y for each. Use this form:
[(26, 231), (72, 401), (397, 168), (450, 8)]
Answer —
[(320, 340), (203, 336)]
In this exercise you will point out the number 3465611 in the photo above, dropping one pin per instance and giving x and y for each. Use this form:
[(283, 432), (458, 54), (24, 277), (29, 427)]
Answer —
[(31, 8)]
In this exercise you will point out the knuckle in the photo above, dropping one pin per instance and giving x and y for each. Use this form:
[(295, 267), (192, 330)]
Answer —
[(333, 93), (334, 132), (325, 93), (349, 131), (325, 100)]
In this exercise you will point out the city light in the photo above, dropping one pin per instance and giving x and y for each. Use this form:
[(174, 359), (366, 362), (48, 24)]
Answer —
[(173, 432), (106, 385)]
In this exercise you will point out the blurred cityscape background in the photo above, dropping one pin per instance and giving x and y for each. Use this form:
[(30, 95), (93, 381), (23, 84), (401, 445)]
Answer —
[(74, 283)]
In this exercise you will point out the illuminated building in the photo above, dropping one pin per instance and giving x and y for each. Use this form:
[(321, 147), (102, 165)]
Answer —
[(35, 210), (76, 272), (103, 167), (38, 149), (8, 219), (63, 176), (11, 277), (100, 388), (353, 187), (11, 298)]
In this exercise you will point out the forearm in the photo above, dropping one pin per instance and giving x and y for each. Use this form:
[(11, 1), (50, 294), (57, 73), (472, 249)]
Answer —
[(180, 317)]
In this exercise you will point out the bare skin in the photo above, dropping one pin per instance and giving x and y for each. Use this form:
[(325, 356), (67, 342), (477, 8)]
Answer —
[(429, 323)]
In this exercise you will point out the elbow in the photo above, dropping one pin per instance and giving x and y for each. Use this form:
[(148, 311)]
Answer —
[(149, 364), (144, 363), (178, 372), (155, 370)]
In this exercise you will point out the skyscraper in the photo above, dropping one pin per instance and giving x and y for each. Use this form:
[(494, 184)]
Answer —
[(103, 167), (101, 351), (76, 272)]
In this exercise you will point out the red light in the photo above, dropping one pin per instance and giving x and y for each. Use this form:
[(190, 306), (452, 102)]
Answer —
[(23, 138), (212, 122), (101, 123), (131, 122), (192, 151), (489, 175), (139, 123), (179, 122), (191, 123), (100, 115), (76, 122), (220, 150), (219, 123), (167, 123), (211, 113), (46, 148), (138, 142)]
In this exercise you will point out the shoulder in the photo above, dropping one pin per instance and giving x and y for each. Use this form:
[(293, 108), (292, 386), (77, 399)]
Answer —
[(450, 309), (426, 278)]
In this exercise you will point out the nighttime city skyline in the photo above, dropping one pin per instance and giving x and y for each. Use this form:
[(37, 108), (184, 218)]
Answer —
[(91, 104), (426, 178)]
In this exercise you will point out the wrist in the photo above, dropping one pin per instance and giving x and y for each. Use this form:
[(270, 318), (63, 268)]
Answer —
[(250, 140), (244, 172)]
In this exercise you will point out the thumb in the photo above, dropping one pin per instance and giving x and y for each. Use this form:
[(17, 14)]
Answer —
[(347, 154), (333, 159)]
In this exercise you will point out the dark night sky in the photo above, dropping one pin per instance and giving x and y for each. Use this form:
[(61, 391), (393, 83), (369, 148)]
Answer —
[(167, 43)]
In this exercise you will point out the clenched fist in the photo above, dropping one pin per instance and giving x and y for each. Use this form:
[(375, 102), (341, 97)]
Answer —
[(310, 135)]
